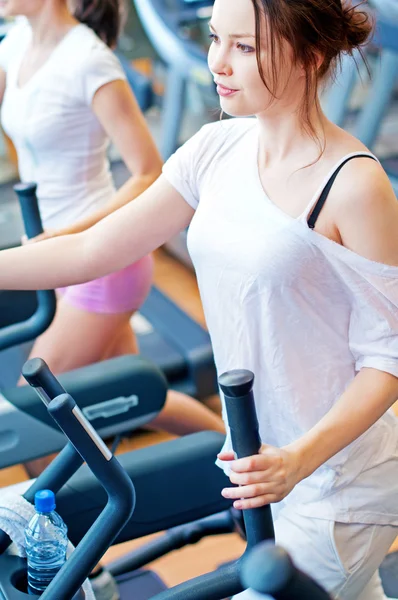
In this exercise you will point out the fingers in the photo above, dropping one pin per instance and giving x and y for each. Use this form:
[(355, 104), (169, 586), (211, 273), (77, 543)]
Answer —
[(253, 496), (256, 502), (258, 462), (25, 240), (39, 238), (226, 456), (251, 477)]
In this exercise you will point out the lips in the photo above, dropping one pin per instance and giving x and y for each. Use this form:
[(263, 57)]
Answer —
[(225, 91), (224, 87)]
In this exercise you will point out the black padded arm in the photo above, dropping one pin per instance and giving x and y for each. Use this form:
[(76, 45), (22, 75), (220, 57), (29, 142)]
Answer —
[(129, 386), (176, 482)]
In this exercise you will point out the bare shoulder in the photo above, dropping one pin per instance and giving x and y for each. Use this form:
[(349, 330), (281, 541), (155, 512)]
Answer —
[(365, 210)]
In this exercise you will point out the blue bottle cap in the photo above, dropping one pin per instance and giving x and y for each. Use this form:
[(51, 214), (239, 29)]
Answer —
[(44, 501)]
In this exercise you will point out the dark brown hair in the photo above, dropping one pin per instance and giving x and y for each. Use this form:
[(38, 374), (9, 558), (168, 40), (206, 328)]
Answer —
[(318, 31), (105, 17)]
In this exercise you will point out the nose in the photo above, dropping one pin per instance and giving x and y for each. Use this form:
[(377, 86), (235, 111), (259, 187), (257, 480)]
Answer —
[(218, 61)]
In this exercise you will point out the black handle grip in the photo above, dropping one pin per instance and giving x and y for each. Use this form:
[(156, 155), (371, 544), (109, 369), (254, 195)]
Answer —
[(39, 376), (237, 388), (268, 569), (26, 193)]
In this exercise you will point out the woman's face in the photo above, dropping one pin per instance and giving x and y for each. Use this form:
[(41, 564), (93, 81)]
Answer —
[(233, 62)]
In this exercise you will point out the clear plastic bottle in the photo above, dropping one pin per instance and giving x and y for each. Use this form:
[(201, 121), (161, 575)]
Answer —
[(46, 541)]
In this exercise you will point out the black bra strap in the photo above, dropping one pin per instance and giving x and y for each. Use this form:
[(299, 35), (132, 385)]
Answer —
[(325, 192)]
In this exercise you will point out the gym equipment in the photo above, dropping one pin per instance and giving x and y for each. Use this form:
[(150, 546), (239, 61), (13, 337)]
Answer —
[(117, 395), (369, 120), (268, 569), (118, 509), (139, 83), (34, 311), (167, 336), (174, 28), (178, 31), (389, 574), (224, 582)]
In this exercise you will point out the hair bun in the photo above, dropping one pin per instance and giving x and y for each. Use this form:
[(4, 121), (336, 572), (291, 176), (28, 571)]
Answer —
[(358, 25)]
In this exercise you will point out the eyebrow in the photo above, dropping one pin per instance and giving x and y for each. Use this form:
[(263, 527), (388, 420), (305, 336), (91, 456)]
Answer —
[(235, 36)]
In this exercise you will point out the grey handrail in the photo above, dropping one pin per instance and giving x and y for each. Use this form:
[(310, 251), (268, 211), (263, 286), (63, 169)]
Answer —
[(107, 469), (27, 330)]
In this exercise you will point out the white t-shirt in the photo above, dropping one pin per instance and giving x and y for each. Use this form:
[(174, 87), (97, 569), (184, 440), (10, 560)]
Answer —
[(299, 310), (61, 145)]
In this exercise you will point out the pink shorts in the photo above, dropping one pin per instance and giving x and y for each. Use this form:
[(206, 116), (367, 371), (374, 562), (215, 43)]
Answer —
[(120, 292)]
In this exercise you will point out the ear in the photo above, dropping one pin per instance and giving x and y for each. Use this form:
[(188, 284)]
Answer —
[(319, 58)]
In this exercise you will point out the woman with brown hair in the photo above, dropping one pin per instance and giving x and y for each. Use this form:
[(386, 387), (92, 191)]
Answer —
[(293, 232)]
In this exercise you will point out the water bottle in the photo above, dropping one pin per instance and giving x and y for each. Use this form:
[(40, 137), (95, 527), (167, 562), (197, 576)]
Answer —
[(46, 542)]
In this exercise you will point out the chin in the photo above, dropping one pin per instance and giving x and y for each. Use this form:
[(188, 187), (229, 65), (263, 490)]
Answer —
[(234, 112), (229, 107)]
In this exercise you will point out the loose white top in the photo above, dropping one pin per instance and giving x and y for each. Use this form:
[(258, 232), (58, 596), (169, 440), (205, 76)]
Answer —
[(302, 312)]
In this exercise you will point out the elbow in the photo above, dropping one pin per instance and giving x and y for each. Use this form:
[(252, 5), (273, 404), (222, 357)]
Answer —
[(152, 174), (146, 178), (152, 170)]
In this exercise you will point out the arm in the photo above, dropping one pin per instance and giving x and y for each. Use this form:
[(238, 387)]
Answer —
[(120, 239), (367, 220), (118, 112), (347, 420)]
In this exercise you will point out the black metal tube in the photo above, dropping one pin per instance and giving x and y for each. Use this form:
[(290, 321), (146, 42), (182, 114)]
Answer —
[(118, 510), (223, 583), (58, 473), (29, 206), (173, 539), (68, 461), (27, 330), (237, 387), (268, 569), (39, 377), (53, 478)]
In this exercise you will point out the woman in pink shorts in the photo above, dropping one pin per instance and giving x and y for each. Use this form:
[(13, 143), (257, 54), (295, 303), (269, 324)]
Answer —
[(64, 98)]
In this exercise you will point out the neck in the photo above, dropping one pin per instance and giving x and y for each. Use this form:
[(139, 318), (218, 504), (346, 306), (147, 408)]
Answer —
[(51, 24), (284, 138)]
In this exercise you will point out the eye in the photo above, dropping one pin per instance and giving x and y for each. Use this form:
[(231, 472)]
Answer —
[(213, 37), (245, 49)]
